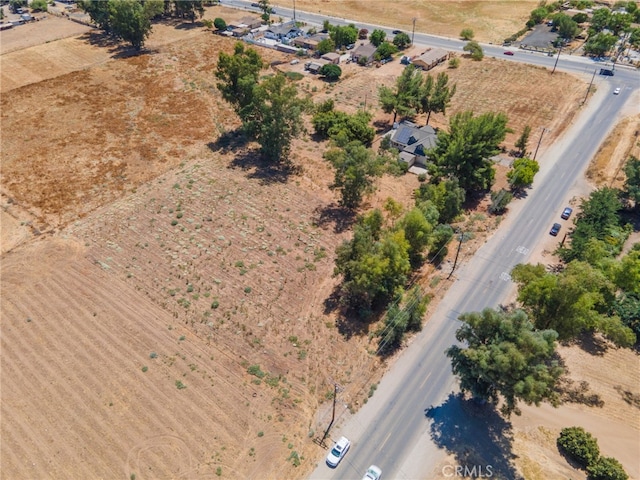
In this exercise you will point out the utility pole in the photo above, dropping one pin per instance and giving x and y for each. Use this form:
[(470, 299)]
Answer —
[(557, 58), (333, 414), (539, 142), (455, 261), (413, 34), (589, 88), (294, 11)]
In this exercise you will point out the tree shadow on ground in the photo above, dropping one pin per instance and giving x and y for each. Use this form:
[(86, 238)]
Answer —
[(382, 126), (591, 343), (349, 326), (520, 193), (116, 48), (476, 435), (251, 161), (342, 218)]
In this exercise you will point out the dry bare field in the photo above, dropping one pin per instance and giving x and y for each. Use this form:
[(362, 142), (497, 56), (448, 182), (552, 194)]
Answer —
[(149, 264)]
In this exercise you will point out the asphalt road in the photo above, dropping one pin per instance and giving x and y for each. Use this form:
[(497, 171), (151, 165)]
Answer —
[(392, 430)]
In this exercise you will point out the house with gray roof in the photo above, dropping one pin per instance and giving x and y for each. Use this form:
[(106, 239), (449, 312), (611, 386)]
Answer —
[(365, 51), (413, 142)]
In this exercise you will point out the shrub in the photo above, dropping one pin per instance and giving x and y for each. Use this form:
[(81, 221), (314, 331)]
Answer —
[(499, 201), (466, 34), (454, 62), (220, 24), (606, 468), (579, 445)]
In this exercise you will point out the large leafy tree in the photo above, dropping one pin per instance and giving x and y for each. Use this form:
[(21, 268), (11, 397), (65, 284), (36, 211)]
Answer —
[(522, 172), (599, 44), (331, 72), (385, 50), (474, 49), (343, 35), (446, 195), (190, 9), (377, 37), (274, 117), (403, 99), (523, 140), (506, 358), (598, 219), (99, 12), (576, 300), (401, 40), (355, 166), (374, 264), (567, 27), (343, 127), (238, 75), (267, 10), (130, 21), (465, 151), (435, 97), (417, 231)]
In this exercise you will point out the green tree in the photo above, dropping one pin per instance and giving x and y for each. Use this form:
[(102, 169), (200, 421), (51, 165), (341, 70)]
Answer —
[(627, 273), (576, 300), (634, 37), (505, 357), (599, 44), (607, 468), (632, 183), (599, 20), (325, 46), (447, 196), (274, 117), (435, 98), (619, 22), (579, 445), (566, 26), (99, 13), (580, 17), (385, 50), (475, 50), (355, 169), (342, 127), (598, 219), (343, 35), (500, 201), (129, 21), (401, 40), (441, 237), (220, 24), (522, 172), (189, 9), (538, 15), (238, 75), (265, 6), (523, 140), (39, 5), (403, 100), (627, 307), (374, 265), (377, 37), (402, 319), (465, 151), (417, 231), (331, 72), (467, 34)]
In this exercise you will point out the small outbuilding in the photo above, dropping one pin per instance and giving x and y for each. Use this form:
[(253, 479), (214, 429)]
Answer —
[(331, 57)]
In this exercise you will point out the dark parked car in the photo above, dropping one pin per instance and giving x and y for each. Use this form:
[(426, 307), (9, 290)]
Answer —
[(566, 213), (508, 52), (555, 229), (396, 32), (606, 72)]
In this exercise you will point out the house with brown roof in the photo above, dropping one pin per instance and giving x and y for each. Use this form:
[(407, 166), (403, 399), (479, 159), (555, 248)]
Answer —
[(247, 22), (364, 51), (431, 58)]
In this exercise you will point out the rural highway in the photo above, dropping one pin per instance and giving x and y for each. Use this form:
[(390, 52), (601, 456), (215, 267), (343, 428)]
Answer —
[(392, 430)]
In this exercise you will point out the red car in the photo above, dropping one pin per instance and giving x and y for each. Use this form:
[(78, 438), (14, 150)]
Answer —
[(508, 52)]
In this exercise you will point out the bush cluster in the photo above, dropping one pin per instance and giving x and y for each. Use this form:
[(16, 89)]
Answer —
[(582, 447)]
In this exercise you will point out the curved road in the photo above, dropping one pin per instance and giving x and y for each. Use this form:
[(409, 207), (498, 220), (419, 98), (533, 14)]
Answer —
[(392, 430)]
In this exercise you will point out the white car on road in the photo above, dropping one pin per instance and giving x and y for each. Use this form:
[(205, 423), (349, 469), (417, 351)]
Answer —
[(616, 91), (338, 452), (373, 473)]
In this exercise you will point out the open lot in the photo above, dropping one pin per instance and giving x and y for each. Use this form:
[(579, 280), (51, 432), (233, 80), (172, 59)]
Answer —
[(148, 267)]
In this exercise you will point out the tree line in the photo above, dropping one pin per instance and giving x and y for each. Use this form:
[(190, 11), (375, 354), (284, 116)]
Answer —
[(510, 355)]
